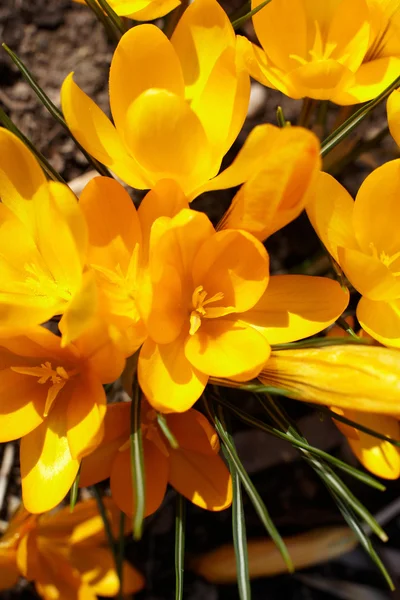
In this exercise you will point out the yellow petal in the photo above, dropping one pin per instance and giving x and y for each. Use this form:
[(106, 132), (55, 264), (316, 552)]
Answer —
[(330, 210), (376, 208), (156, 466), (149, 10), (393, 115), (112, 222), (202, 479), (201, 36), (223, 348), (378, 456), (235, 264), (147, 54), (364, 378), (370, 80), (168, 380), (97, 466), (80, 311), (297, 306), (157, 125), (321, 79), (20, 177), (47, 467), (194, 432), (369, 275), (21, 406), (278, 193), (95, 132), (381, 320), (349, 32), (85, 415)]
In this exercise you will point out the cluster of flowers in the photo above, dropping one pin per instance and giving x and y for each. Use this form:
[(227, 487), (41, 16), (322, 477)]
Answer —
[(160, 291)]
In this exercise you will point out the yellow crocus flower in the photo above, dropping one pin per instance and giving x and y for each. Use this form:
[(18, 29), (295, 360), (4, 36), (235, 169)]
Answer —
[(141, 10), (362, 237), (66, 555), (178, 105), (347, 51)]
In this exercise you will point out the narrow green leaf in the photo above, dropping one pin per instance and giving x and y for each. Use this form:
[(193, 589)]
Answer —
[(52, 108), (121, 554), (73, 495), (106, 523), (137, 462), (342, 323), (324, 342), (280, 117), (238, 524), (351, 123), (242, 20), (162, 422), (251, 491), (367, 430), (108, 25), (112, 15), (302, 445), (180, 527), (44, 163)]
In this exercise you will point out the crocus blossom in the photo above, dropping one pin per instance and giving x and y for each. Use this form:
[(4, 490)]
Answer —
[(52, 397), (141, 10), (177, 105), (362, 237), (194, 469), (65, 555), (357, 377), (347, 51), (43, 241)]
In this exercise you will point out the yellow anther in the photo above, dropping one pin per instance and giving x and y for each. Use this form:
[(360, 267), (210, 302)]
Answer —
[(198, 303)]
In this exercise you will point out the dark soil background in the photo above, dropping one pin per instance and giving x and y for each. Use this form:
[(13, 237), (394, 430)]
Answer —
[(54, 37)]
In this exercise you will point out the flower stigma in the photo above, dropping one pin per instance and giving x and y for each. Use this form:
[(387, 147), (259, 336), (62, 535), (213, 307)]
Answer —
[(198, 303)]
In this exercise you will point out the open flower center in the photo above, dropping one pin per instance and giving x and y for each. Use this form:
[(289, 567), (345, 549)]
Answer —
[(198, 303), (386, 259), (44, 285), (57, 377)]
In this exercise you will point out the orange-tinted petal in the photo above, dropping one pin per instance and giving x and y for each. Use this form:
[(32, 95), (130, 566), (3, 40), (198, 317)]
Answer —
[(235, 264), (167, 378), (203, 479), (156, 466), (85, 415), (95, 132), (97, 466), (194, 432), (223, 348), (297, 306), (9, 572), (381, 320), (47, 467)]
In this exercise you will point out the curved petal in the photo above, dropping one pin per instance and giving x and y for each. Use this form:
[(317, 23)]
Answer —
[(235, 264), (321, 79), (201, 36), (9, 571), (167, 139), (156, 466), (97, 569), (376, 208), (381, 320), (371, 79), (223, 348), (277, 194), (20, 177), (80, 311), (85, 415), (194, 432), (47, 467), (202, 479), (330, 210), (393, 115), (112, 221), (22, 403), (97, 466), (151, 10), (144, 59), (369, 275), (168, 380), (297, 306), (95, 132), (349, 33), (250, 159), (379, 457)]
